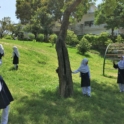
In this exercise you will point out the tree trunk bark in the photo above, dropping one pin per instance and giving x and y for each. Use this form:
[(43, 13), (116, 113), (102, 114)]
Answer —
[(112, 32), (64, 70)]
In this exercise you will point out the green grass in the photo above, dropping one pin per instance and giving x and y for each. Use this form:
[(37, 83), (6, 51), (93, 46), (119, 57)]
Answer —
[(34, 86)]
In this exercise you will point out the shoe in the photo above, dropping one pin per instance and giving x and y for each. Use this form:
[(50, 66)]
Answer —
[(88, 95), (17, 67)]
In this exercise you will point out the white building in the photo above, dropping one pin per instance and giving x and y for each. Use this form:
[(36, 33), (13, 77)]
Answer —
[(87, 26)]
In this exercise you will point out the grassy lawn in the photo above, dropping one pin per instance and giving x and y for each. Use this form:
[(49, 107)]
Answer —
[(34, 88)]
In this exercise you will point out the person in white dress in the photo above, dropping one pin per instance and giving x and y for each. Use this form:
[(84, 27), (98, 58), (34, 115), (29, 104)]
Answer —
[(85, 77)]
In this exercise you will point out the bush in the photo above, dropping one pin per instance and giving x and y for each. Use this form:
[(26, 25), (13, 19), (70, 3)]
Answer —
[(71, 38), (40, 37), (31, 36), (108, 42), (83, 46), (103, 37), (8, 37), (52, 39), (20, 35), (80, 37), (119, 39), (90, 37)]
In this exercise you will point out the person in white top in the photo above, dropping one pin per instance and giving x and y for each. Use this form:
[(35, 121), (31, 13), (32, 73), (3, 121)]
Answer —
[(15, 56), (120, 78), (85, 77), (5, 99), (1, 53)]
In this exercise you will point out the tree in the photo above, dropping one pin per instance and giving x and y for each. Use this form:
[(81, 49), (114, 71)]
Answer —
[(23, 11), (38, 17), (4, 26), (112, 20), (64, 69), (62, 10), (15, 30)]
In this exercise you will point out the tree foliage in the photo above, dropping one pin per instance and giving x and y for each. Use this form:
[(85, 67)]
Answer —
[(113, 20), (4, 26)]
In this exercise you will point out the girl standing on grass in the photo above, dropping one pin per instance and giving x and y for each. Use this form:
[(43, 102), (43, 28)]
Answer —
[(5, 99), (15, 57), (1, 53), (85, 77), (120, 78)]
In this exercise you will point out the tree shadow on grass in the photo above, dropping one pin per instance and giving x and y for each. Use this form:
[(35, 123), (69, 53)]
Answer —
[(47, 107), (86, 54), (12, 69), (110, 76)]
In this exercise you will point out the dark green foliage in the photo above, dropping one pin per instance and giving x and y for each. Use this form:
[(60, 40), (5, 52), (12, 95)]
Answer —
[(119, 39), (98, 42), (113, 20), (20, 35), (52, 39), (80, 37), (31, 36), (40, 38), (83, 46), (8, 37), (71, 38)]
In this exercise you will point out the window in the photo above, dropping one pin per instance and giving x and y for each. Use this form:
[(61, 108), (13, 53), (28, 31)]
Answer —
[(88, 23)]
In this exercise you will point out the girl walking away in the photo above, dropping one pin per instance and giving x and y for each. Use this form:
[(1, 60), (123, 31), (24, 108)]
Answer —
[(1, 53), (120, 78), (15, 57), (5, 99), (85, 77)]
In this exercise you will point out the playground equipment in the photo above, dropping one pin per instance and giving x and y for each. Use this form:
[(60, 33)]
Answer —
[(113, 53)]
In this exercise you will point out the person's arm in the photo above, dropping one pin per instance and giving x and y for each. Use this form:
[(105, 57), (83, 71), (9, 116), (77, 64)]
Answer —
[(115, 65), (76, 71)]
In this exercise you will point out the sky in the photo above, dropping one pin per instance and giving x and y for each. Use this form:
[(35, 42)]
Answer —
[(8, 8)]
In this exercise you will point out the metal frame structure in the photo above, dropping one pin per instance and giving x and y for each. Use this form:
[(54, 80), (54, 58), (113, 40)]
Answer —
[(113, 52)]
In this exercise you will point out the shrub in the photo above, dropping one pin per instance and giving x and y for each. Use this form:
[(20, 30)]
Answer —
[(108, 42), (119, 39), (71, 38), (80, 37), (103, 37), (90, 37), (83, 46), (8, 37), (40, 37), (31, 36), (20, 35), (52, 39)]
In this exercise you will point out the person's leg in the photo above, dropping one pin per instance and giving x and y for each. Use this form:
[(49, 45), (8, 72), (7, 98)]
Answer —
[(17, 66), (89, 91), (5, 114), (84, 90), (14, 66), (120, 87)]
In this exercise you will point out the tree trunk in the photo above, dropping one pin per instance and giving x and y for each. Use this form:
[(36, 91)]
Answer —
[(64, 71), (112, 32)]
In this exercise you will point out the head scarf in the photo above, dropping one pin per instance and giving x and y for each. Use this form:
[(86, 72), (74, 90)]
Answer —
[(1, 49), (84, 67), (121, 63), (15, 51)]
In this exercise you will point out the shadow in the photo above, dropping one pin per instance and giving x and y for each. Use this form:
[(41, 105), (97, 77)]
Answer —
[(86, 54), (109, 76), (46, 106), (13, 69)]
